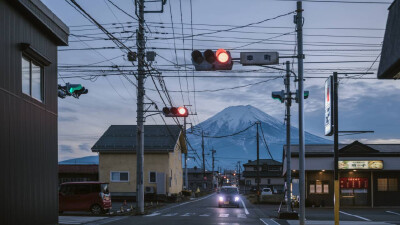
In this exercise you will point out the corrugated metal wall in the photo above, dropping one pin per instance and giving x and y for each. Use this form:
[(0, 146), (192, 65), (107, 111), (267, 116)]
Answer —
[(28, 128)]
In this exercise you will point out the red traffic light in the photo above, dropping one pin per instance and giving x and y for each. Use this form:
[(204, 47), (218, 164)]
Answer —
[(175, 112), (222, 55), (182, 110)]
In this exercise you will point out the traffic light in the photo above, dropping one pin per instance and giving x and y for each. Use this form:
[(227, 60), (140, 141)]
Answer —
[(280, 95), (306, 94), (175, 112), (211, 61), (75, 90)]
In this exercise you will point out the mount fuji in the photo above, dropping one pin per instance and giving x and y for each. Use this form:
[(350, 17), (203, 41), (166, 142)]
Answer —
[(242, 147)]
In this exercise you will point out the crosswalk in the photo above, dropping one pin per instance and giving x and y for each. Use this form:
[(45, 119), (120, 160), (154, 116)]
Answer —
[(220, 215)]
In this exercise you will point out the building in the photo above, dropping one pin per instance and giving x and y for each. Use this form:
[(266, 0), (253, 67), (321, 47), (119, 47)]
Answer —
[(30, 34), (369, 174), (163, 148), (389, 66), (270, 174), (76, 173), (198, 180)]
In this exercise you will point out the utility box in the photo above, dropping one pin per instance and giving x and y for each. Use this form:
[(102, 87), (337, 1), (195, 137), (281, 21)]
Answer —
[(259, 58)]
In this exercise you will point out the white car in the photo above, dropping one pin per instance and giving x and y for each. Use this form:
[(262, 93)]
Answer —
[(266, 191)]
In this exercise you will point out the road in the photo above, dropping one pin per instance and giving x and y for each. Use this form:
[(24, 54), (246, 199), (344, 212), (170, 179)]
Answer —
[(205, 211)]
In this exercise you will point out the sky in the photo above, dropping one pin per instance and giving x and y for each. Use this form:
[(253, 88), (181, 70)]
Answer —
[(343, 37)]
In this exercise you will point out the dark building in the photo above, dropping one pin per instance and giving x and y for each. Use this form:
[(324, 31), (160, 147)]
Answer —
[(389, 66), (270, 174), (369, 174), (30, 34), (197, 180), (77, 173)]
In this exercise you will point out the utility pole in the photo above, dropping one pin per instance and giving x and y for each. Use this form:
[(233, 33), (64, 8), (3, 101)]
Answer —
[(202, 148), (336, 146), (300, 57), (186, 155), (212, 171), (258, 164), (140, 43), (239, 173), (288, 152)]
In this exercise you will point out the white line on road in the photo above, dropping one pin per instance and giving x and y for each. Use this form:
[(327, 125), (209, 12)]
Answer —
[(171, 214), (241, 216), (189, 214), (223, 215), (244, 206), (360, 217), (153, 214), (393, 213), (205, 215), (186, 203)]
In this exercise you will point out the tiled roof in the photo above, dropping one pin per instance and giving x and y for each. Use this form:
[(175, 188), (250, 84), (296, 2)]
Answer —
[(248, 174), (78, 169), (269, 162), (122, 138)]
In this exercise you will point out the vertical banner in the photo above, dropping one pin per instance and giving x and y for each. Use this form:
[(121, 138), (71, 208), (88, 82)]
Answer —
[(328, 107)]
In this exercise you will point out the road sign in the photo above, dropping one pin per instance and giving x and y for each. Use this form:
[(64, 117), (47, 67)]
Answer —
[(259, 58), (328, 107)]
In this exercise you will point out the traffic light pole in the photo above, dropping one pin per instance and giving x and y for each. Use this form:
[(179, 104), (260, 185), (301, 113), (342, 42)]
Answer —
[(288, 152), (336, 146), (186, 155), (258, 165), (300, 57), (140, 42), (202, 149)]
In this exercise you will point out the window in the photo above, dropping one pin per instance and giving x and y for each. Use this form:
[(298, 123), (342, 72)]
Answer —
[(387, 184), (32, 79), (319, 187), (248, 182), (119, 176), (153, 177)]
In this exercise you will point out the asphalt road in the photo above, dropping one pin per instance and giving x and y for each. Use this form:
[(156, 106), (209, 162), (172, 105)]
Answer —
[(200, 211)]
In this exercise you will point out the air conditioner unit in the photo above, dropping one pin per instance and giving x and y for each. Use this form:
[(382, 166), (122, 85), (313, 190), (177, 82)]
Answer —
[(149, 190)]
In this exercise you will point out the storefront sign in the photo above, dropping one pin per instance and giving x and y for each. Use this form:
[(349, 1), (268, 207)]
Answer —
[(352, 165), (354, 182)]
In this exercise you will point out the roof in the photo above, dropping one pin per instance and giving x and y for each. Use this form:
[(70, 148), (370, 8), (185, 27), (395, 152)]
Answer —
[(85, 182), (122, 139), (270, 162), (197, 170), (355, 148), (248, 174), (78, 169), (44, 17)]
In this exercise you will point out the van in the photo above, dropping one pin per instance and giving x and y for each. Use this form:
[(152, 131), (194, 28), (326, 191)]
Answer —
[(84, 196)]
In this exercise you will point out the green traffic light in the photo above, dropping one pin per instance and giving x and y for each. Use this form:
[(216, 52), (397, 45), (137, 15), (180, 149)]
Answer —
[(75, 88)]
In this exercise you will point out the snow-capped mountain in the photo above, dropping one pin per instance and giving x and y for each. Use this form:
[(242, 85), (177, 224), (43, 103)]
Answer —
[(242, 147)]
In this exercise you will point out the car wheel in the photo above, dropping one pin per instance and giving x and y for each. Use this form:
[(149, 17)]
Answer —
[(96, 209)]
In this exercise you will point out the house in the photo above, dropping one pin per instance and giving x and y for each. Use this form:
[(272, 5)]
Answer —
[(198, 180), (163, 148), (75, 173), (389, 65), (369, 174), (29, 37), (270, 174)]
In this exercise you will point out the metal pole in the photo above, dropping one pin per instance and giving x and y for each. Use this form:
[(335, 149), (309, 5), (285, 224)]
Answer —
[(288, 152), (140, 42), (258, 165), (300, 57), (336, 145), (212, 171), (202, 147), (186, 155)]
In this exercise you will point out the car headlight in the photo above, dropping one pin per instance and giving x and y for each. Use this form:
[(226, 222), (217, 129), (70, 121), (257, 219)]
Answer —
[(221, 199), (236, 198)]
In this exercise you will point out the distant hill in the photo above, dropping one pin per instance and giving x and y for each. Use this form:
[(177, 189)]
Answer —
[(81, 161), (242, 147)]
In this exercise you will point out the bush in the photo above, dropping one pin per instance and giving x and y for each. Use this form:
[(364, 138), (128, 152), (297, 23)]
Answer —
[(275, 198), (187, 193)]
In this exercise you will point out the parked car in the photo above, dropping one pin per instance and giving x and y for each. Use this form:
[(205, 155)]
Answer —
[(228, 196), (84, 196), (266, 191)]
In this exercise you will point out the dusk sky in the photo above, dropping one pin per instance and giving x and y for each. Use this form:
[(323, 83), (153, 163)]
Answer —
[(343, 37)]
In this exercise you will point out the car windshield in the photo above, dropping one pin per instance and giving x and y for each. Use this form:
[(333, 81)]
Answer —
[(229, 190)]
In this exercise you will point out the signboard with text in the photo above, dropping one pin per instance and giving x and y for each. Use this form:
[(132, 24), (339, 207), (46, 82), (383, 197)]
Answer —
[(328, 106), (368, 165)]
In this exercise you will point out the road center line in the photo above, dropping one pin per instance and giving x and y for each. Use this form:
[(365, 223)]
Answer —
[(264, 222), (244, 206), (360, 217), (393, 213), (185, 203)]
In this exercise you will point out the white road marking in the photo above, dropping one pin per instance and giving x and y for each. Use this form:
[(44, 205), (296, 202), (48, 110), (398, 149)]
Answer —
[(153, 214), (393, 213), (171, 214), (109, 220), (186, 203), (223, 215), (263, 221), (241, 216), (360, 217), (205, 215), (78, 219), (244, 206), (189, 214)]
